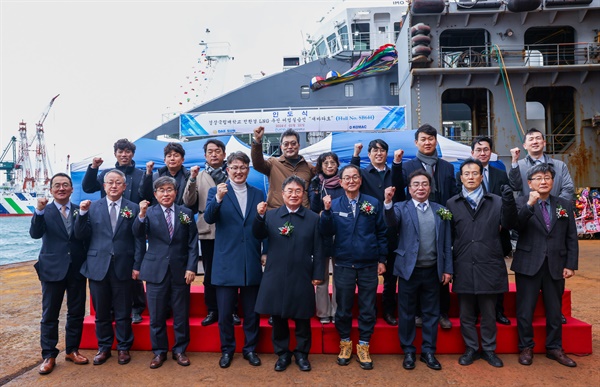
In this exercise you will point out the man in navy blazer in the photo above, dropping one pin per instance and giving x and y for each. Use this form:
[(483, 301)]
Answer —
[(58, 266), (107, 224), (236, 261), (423, 261), (547, 253), (168, 267)]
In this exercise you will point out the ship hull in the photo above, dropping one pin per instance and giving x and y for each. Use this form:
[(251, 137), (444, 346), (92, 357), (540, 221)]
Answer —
[(17, 204)]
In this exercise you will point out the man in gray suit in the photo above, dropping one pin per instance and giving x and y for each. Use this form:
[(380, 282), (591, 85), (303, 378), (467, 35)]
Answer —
[(423, 262), (547, 253), (107, 224)]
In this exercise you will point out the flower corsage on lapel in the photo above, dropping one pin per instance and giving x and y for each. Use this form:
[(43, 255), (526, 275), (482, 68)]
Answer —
[(444, 214), (75, 213), (561, 212), (126, 213), (184, 218), (367, 208), (287, 229)]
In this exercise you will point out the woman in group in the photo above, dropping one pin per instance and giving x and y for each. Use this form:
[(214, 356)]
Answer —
[(326, 182)]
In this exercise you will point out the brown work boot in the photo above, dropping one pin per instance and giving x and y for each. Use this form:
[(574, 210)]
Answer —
[(345, 353), (363, 357)]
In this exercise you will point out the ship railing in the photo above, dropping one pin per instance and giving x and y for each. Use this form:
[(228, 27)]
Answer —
[(534, 55), (357, 41)]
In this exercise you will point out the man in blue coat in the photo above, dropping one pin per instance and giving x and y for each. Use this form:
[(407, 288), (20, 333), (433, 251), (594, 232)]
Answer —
[(423, 262), (58, 266), (236, 264), (360, 250), (107, 224), (168, 267)]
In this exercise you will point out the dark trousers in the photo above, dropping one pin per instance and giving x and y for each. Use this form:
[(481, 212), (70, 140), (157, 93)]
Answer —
[(112, 293), (346, 280), (168, 295), (53, 293), (528, 289), (469, 305), (281, 336), (423, 285), (500, 303), (138, 296), (444, 301), (227, 298), (210, 295), (390, 282)]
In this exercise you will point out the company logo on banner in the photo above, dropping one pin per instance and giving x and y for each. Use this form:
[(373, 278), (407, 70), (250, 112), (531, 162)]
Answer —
[(370, 118)]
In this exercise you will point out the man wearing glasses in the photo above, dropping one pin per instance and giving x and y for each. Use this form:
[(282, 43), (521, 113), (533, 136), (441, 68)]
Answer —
[(279, 169)]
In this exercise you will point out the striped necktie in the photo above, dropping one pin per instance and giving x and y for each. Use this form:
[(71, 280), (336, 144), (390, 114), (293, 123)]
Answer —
[(545, 214), (169, 221), (113, 215)]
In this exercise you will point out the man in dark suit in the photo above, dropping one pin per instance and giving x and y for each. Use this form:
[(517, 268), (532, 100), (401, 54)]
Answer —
[(443, 187), (547, 253), (360, 249), (107, 224), (93, 181), (294, 266), (58, 266), (236, 265), (424, 260), (168, 267), (493, 180)]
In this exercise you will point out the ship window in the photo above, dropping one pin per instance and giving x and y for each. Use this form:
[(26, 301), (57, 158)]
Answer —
[(332, 43), (349, 90), (304, 92), (360, 36), (556, 44), (394, 88), (343, 33), (396, 30), (321, 49), (464, 48)]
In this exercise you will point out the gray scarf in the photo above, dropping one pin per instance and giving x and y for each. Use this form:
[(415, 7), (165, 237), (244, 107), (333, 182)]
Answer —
[(429, 162), (219, 175)]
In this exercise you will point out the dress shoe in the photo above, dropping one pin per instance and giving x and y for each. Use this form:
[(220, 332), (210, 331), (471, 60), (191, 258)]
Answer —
[(283, 362), (210, 318), (76, 358), (236, 320), (158, 360), (468, 357), (390, 319), (136, 318), (526, 356), (47, 366), (253, 359), (409, 361), (302, 362), (325, 320), (492, 359), (101, 357), (445, 323), (418, 321), (270, 320), (225, 360), (124, 357), (182, 359), (559, 356), (563, 319), (501, 319), (429, 359)]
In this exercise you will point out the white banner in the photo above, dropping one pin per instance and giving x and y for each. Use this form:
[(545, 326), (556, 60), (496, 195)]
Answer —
[(370, 118)]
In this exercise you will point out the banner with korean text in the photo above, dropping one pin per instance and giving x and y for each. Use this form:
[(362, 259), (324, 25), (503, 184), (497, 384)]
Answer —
[(367, 118)]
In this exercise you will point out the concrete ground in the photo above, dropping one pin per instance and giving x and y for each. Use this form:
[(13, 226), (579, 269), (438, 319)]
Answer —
[(20, 311)]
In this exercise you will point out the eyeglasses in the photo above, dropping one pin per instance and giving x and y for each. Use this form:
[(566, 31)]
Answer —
[(347, 179), (423, 184), (540, 179), (378, 150), (165, 191), (61, 185), (111, 183), (474, 174), (293, 191), (214, 151), (235, 169), (482, 150), (289, 144)]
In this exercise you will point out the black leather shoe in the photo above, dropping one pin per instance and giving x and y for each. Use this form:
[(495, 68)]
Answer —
[(253, 359), (390, 319), (409, 361), (492, 359), (225, 360), (501, 319), (468, 357), (429, 359), (270, 321), (563, 319), (236, 319), (302, 361), (283, 362), (210, 318), (136, 318)]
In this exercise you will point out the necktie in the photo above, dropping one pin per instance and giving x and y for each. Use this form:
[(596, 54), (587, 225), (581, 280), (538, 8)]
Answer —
[(63, 211), (353, 204), (545, 214), (422, 206), (169, 221), (113, 215), (486, 179)]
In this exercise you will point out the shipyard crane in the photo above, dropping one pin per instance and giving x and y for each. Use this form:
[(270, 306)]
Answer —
[(9, 166), (43, 169)]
